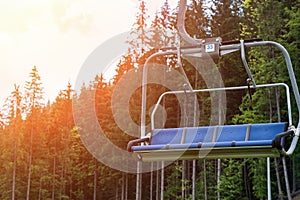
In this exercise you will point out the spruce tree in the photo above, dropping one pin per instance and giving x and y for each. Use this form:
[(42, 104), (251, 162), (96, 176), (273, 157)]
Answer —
[(34, 101)]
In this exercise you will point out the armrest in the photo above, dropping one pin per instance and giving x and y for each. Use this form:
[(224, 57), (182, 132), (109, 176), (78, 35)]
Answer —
[(276, 143), (135, 142)]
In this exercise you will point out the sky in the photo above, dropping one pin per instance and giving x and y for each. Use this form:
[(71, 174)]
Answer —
[(57, 36)]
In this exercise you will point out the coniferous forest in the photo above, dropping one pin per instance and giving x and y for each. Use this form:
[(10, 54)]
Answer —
[(41, 152)]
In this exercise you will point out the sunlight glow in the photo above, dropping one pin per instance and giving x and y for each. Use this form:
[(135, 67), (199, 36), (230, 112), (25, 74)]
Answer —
[(57, 36)]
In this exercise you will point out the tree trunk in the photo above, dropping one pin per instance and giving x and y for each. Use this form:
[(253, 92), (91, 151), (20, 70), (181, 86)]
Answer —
[(151, 180), (123, 186), (126, 187), (188, 178), (117, 190), (29, 165), (54, 166), (71, 185), (270, 107), (183, 180), (157, 181), (14, 169), (40, 188), (278, 179), (246, 181), (62, 182), (205, 181), (95, 180), (53, 178)]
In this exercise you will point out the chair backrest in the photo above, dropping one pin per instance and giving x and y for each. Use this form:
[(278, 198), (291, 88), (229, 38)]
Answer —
[(228, 133)]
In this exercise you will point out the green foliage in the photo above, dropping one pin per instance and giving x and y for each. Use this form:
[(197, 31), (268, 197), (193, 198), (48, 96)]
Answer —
[(206, 180), (258, 172), (174, 182), (231, 182), (34, 91), (62, 168)]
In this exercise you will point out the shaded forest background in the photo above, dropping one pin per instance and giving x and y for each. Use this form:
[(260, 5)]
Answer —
[(42, 156)]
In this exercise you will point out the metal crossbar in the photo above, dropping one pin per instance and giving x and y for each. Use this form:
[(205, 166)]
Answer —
[(287, 92)]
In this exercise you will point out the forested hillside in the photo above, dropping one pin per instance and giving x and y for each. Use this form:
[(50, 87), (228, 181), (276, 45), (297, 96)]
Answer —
[(43, 157)]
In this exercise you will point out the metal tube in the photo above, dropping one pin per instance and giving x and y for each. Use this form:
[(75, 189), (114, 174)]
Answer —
[(243, 57), (138, 182), (151, 181), (194, 180), (181, 21), (145, 77), (162, 180), (269, 178), (289, 107), (222, 89), (287, 184), (144, 91), (294, 86)]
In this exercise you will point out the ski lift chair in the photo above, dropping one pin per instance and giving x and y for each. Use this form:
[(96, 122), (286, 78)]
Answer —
[(224, 141)]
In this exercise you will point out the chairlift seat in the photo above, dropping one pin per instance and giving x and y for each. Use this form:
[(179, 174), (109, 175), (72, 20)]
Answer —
[(235, 141)]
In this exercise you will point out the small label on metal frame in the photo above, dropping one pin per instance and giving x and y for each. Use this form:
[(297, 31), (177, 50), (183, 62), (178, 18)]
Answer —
[(209, 48)]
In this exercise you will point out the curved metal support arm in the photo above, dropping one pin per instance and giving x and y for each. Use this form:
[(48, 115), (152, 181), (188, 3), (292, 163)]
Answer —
[(294, 86), (180, 24), (293, 144), (243, 57)]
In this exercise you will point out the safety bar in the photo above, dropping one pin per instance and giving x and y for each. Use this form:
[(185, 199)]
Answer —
[(287, 91)]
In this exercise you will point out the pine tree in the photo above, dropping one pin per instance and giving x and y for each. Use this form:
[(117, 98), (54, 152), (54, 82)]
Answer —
[(139, 38), (34, 100), (125, 64), (59, 137), (138, 43), (16, 119), (225, 19), (162, 29), (12, 128)]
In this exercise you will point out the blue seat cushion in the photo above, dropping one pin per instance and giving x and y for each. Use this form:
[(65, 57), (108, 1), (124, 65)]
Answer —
[(245, 135)]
